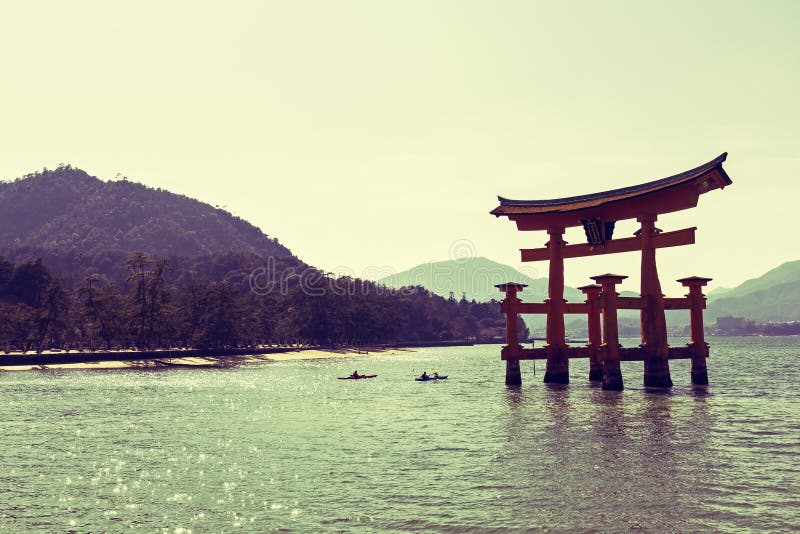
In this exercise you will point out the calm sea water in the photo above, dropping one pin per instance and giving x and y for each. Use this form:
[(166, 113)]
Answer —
[(286, 446)]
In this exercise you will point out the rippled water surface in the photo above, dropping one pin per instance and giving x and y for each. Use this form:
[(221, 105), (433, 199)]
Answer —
[(287, 446)]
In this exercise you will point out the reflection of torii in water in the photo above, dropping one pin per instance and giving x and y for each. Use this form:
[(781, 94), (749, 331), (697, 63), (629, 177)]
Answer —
[(598, 213)]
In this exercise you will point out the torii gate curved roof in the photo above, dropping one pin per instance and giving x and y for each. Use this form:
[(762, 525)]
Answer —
[(666, 195)]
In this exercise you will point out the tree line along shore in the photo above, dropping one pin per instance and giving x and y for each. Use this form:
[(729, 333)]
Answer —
[(159, 304)]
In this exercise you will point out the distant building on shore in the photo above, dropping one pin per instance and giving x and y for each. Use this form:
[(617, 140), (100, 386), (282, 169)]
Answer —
[(740, 326), (730, 324)]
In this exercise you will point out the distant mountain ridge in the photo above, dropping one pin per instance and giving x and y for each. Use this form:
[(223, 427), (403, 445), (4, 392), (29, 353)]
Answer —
[(77, 222), (786, 272), (773, 296), (474, 278)]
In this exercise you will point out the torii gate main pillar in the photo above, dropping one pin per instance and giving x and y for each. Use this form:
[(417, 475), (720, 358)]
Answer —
[(557, 361), (653, 320)]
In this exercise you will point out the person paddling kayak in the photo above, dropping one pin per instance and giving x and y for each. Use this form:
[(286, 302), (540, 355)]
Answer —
[(355, 376), (425, 377)]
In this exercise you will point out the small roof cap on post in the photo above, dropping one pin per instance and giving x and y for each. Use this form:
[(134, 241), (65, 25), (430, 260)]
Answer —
[(694, 281), (609, 278), (590, 287), (511, 286)]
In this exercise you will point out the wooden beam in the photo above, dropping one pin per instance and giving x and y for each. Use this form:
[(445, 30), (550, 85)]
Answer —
[(627, 354), (542, 307), (677, 303), (637, 354), (635, 303), (629, 303), (532, 307), (627, 244), (541, 353), (680, 353), (526, 354), (576, 307)]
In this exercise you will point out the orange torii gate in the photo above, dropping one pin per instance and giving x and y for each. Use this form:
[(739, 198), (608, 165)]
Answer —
[(598, 213)]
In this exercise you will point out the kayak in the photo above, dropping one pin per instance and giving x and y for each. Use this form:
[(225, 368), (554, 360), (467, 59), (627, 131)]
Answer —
[(420, 379), (359, 377)]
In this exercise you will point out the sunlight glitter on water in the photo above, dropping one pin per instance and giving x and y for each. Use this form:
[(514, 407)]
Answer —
[(288, 446)]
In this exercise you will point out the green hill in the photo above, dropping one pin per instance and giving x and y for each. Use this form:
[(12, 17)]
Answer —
[(473, 278), (78, 224), (88, 263), (774, 296), (787, 272)]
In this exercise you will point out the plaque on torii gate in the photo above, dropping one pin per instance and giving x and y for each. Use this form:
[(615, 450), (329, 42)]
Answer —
[(597, 213)]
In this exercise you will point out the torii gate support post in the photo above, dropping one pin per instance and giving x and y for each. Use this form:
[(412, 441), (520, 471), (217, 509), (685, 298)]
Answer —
[(510, 305), (612, 374), (697, 301), (557, 371), (653, 320), (592, 293)]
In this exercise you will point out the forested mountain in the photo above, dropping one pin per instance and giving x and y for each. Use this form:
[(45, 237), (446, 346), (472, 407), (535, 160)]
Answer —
[(774, 296), (784, 273), (93, 264), (79, 224), (774, 304)]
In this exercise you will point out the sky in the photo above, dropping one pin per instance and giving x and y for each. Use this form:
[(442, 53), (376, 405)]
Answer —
[(371, 136)]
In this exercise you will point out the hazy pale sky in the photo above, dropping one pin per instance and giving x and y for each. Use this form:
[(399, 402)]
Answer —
[(370, 136)]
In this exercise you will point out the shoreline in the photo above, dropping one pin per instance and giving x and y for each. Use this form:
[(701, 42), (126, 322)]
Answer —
[(195, 358)]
